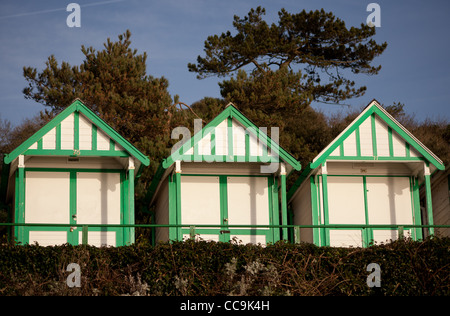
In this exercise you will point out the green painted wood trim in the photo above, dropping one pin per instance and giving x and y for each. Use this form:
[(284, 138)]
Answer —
[(223, 207), (21, 202), (270, 191), (58, 137), (178, 201), (76, 130), (172, 207), (76, 153), (275, 209), (130, 235), (373, 110), (399, 130), (72, 237), (358, 142), (417, 211), (232, 112), (340, 139), (314, 210), (73, 197), (391, 142), (284, 206), (367, 233), (325, 242), (76, 107), (370, 158), (374, 136), (230, 140), (94, 137), (429, 202)]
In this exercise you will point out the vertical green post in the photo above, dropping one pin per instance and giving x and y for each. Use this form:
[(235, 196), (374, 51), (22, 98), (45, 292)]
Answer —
[(417, 217), (179, 235), (314, 210), (326, 240), (84, 235), (400, 232), (172, 207), (297, 234), (21, 200), (192, 232), (427, 176), (283, 200), (130, 238)]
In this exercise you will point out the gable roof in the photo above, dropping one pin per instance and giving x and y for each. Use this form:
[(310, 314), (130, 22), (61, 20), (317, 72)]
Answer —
[(231, 123), (229, 137), (374, 135), (104, 141)]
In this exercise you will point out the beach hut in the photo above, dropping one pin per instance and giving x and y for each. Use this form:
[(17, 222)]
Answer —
[(229, 173), (370, 174), (75, 170)]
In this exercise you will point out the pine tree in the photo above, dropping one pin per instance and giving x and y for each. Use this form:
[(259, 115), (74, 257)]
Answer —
[(113, 82)]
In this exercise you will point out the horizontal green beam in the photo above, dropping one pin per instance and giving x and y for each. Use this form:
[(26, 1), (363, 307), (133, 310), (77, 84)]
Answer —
[(355, 226)]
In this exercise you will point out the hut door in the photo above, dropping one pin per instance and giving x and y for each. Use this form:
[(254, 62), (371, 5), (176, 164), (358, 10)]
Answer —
[(201, 205), (71, 197), (47, 201), (226, 200), (248, 204), (98, 202)]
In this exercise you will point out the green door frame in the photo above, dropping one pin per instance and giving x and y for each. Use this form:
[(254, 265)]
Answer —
[(22, 233), (321, 236), (224, 232)]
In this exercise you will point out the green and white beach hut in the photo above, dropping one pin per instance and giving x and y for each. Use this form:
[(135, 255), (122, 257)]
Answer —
[(229, 173), (370, 174), (75, 170)]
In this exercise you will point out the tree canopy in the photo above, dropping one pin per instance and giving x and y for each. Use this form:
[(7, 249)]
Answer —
[(316, 40)]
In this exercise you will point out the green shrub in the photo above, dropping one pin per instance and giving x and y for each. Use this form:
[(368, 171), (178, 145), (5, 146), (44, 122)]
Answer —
[(209, 268)]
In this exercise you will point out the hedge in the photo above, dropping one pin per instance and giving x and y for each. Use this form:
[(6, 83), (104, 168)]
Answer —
[(210, 269)]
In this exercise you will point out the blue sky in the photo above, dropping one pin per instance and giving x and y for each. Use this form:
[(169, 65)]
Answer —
[(415, 66)]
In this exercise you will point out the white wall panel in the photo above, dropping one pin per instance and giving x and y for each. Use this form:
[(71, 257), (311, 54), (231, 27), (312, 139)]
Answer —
[(221, 138), (398, 145), (346, 200), (85, 132), (47, 197), (382, 138), (345, 238), (389, 200), (99, 239), (248, 200), (47, 238), (102, 141), (200, 200), (365, 137), (98, 198), (350, 145), (238, 139), (67, 132), (49, 140), (249, 239)]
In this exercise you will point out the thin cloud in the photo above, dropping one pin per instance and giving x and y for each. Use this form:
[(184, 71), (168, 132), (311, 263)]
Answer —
[(59, 9)]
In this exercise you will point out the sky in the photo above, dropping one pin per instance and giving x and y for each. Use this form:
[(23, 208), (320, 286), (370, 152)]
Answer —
[(415, 65)]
